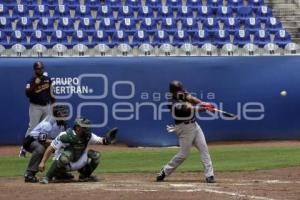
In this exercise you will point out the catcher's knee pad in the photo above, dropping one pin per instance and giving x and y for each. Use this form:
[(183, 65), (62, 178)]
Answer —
[(64, 159), (94, 156)]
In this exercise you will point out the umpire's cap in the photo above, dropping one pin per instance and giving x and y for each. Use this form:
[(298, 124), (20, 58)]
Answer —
[(61, 111)]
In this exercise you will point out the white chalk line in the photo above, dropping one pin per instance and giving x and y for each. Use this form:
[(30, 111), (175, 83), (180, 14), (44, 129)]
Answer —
[(235, 194), (253, 181), (133, 186)]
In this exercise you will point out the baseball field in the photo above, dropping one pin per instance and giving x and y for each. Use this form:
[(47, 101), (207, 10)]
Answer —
[(248, 170)]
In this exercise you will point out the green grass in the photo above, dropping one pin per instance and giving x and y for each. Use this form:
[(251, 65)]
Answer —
[(151, 160)]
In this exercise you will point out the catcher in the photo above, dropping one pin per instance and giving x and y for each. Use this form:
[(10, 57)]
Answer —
[(71, 152)]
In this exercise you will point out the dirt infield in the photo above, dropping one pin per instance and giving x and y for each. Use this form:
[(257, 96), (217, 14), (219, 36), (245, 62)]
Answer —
[(259, 185)]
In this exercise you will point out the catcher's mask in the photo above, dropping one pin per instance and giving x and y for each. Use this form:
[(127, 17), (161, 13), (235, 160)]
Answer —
[(84, 124), (61, 113)]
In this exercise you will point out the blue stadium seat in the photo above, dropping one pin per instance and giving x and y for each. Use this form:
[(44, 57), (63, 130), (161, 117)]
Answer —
[(154, 4), (66, 25), (264, 13), (241, 38), (20, 10), (221, 38), (128, 25), (18, 37), (148, 25), (231, 24), (214, 4), (174, 3), (3, 39), (120, 37), (104, 11), (41, 11), (80, 37), (211, 25), (190, 25), (108, 25), (252, 24), (25, 24), (140, 37), (30, 3), (180, 37), (255, 4), (87, 25), (169, 25), (282, 38), (273, 25), (234, 4), (125, 12), (204, 12), (160, 37), (145, 12), (39, 37), (46, 24), (114, 4), (194, 4), (4, 12), (223, 13), (261, 38), (72, 4), (184, 12), (59, 37), (134, 4), (6, 25), (200, 38), (83, 11), (101, 37), (243, 13), (62, 10), (165, 12), (93, 4), (51, 3)]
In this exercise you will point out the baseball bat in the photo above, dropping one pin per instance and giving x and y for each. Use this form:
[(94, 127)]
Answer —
[(226, 114)]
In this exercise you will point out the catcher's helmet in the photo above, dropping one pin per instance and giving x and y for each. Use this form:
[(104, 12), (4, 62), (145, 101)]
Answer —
[(84, 123)]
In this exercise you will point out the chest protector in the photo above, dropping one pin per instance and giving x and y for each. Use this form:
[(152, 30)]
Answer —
[(77, 145)]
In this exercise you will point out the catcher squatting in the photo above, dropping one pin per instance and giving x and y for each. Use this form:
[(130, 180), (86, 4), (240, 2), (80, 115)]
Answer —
[(71, 153)]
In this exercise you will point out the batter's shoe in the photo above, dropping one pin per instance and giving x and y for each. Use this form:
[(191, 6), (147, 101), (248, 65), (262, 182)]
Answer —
[(22, 153), (45, 180), (30, 179), (161, 176), (210, 179), (87, 179)]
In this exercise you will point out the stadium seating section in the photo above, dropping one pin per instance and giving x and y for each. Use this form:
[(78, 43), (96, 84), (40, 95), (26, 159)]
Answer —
[(174, 25)]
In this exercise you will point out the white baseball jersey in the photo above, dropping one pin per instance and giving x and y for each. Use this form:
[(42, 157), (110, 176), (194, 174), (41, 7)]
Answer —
[(47, 128)]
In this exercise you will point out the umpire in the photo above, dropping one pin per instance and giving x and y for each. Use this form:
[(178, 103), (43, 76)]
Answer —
[(38, 90)]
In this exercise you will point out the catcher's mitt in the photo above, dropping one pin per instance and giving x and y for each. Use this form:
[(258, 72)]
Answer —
[(110, 136)]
